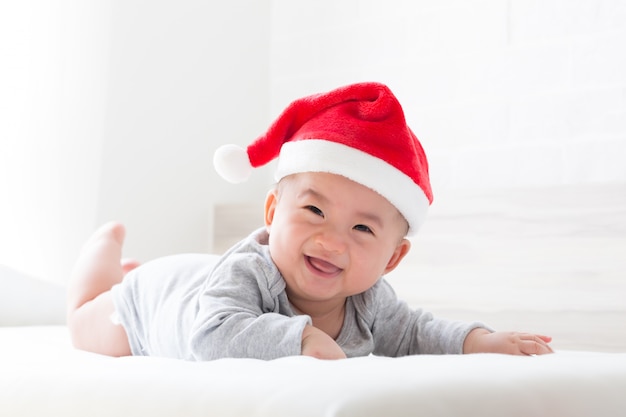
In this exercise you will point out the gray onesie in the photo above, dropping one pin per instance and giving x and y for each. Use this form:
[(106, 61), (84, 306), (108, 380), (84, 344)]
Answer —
[(204, 307)]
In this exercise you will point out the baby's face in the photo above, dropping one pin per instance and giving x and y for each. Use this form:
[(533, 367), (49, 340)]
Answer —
[(332, 237)]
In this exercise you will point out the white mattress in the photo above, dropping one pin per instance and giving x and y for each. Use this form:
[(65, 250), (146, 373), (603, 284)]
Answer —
[(549, 260), (42, 375)]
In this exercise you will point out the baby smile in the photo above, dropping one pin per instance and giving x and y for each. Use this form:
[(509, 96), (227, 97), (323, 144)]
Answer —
[(322, 267)]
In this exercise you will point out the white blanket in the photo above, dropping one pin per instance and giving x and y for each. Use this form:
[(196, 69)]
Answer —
[(546, 260), (40, 374)]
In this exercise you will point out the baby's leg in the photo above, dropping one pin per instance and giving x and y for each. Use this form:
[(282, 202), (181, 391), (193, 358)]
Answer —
[(90, 305)]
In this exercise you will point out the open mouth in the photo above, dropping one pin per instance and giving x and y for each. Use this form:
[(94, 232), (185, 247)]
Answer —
[(322, 267)]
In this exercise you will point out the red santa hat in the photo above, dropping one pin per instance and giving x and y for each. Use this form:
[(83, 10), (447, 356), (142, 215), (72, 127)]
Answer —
[(357, 131)]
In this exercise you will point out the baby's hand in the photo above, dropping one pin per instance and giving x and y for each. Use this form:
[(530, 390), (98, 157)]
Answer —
[(512, 343), (318, 344)]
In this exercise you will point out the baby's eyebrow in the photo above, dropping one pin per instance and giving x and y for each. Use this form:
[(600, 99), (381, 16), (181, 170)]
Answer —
[(370, 217), (310, 192)]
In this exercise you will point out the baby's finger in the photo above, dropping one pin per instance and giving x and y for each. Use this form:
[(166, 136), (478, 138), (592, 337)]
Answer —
[(535, 346)]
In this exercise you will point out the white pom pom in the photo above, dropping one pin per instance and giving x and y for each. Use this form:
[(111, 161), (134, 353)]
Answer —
[(232, 163)]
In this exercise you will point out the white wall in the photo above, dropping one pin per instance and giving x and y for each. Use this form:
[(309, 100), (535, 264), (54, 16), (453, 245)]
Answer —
[(112, 110), (500, 92), (185, 77), (53, 88)]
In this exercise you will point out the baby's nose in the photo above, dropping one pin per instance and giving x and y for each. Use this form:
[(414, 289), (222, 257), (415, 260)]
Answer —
[(331, 240)]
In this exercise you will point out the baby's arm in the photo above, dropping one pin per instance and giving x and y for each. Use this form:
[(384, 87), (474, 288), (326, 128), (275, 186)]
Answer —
[(318, 344), (512, 343)]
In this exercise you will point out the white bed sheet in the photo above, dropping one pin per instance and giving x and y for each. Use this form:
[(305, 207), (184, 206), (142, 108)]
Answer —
[(546, 260), (40, 374)]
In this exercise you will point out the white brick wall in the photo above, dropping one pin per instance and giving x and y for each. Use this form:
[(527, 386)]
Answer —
[(500, 92)]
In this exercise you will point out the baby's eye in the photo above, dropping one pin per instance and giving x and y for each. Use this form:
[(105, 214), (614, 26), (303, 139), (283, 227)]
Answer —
[(363, 228), (315, 210)]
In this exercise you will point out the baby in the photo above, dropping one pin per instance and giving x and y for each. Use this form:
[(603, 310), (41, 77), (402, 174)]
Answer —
[(352, 185)]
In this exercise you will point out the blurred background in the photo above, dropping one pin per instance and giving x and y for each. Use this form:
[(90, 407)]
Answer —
[(112, 109)]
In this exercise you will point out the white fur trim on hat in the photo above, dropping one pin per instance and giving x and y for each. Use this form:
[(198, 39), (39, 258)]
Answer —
[(317, 155)]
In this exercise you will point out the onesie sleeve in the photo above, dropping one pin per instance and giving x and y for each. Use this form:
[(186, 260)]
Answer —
[(239, 314), (399, 330)]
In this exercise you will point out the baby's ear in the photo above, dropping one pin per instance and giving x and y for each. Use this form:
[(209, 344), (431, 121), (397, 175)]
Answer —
[(401, 250), (270, 207)]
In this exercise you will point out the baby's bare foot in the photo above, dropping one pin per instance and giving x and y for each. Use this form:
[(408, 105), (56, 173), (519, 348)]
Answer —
[(109, 230), (128, 264), (98, 266)]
